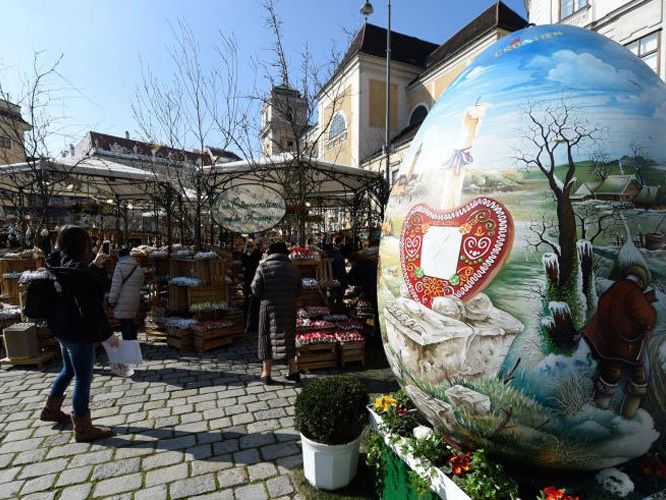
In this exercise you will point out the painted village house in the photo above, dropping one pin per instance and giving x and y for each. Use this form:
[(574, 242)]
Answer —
[(619, 188)]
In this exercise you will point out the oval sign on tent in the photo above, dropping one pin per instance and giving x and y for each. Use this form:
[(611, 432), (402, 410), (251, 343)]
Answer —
[(249, 208)]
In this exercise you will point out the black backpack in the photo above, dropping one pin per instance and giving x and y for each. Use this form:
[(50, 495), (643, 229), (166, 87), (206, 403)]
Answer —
[(41, 298)]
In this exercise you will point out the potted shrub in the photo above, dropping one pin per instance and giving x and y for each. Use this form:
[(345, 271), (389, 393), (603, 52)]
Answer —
[(330, 415)]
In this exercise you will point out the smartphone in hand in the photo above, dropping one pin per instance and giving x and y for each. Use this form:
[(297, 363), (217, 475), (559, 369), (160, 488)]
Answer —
[(106, 247)]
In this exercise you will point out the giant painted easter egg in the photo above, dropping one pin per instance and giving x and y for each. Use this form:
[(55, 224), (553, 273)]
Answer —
[(523, 254)]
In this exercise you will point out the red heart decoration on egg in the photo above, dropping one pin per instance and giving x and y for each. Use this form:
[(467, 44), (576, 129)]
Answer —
[(454, 252)]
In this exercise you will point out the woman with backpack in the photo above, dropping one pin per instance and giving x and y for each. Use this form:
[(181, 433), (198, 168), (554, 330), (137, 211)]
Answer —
[(78, 321), (125, 294)]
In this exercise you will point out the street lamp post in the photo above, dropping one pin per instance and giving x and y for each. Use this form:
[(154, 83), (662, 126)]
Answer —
[(367, 10)]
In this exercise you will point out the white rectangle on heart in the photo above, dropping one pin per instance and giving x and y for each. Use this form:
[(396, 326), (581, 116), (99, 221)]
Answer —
[(441, 250)]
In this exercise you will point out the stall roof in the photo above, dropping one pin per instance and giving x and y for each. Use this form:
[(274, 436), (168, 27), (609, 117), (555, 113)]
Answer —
[(85, 176), (327, 181)]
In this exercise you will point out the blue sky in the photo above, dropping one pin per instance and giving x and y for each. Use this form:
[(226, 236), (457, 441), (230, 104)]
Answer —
[(102, 42)]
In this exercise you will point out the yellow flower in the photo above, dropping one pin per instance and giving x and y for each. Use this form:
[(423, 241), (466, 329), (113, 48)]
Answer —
[(383, 403)]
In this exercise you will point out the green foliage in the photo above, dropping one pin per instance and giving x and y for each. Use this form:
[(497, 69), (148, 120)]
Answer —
[(488, 480), (332, 410), (434, 449)]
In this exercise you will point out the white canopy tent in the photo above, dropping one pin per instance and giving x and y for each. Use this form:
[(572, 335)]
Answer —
[(328, 184), (80, 176)]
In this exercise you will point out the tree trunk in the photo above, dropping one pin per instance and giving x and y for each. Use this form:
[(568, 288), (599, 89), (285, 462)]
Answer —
[(566, 221)]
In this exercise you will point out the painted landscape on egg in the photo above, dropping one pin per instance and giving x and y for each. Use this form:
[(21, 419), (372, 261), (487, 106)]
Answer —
[(531, 203)]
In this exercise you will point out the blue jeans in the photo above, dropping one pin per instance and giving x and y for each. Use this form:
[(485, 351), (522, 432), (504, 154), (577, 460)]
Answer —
[(77, 363), (128, 329)]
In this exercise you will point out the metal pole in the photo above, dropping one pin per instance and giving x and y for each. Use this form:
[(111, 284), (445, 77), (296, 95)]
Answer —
[(387, 139)]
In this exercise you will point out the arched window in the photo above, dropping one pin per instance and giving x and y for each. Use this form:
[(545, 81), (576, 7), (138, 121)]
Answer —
[(418, 115), (338, 127)]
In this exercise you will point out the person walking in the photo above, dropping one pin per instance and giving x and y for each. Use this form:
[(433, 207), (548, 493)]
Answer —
[(77, 323), (277, 283), (249, 263), (125, 294), (339, 275)]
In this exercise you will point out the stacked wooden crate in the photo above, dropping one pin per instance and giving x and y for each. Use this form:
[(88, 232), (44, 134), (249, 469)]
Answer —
[(10, 270)]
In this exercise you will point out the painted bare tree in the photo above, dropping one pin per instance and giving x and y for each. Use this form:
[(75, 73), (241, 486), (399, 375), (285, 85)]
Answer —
[(552, 132), (601, 164)]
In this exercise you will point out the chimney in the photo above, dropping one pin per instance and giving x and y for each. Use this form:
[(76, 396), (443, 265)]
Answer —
[(126, 134), (71, 149)]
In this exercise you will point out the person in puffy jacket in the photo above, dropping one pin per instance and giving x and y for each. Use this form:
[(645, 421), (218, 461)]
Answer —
[(125, 294), (78, 323), (277, 283)]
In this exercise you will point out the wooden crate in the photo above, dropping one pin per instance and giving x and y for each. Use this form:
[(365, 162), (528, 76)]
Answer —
[(315, 356), (209, 293), (311, 297), (178, 298), (308, 268), (219, 337), (351, 352), (155, 332), (18, 265), (180, 339), (40, 360), (210, 271), (10, 290), (181, 267)]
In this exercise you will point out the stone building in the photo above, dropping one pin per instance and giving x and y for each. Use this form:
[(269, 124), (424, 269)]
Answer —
[(12, 130)]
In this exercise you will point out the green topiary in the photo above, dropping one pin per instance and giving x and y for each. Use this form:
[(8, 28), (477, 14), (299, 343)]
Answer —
[(332, 410)]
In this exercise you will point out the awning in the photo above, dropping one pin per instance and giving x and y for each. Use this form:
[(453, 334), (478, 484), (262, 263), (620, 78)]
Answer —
[(326, 183), (80, 176)]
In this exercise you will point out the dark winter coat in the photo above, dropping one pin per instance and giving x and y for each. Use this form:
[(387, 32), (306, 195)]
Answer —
[(338, 266), (278, 284), (80, 312), (249, 263), (621, 324)]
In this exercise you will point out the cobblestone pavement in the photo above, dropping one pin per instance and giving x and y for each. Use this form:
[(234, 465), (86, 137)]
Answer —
[(186, 426)]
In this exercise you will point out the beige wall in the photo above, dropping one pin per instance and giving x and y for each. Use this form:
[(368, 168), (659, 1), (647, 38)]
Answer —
[(377, 104), (339, 151), (15, 153)]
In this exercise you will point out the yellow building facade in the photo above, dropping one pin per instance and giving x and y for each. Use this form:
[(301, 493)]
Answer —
[(352, 105)]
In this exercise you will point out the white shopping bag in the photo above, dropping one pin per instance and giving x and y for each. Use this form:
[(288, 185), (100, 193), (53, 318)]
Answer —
[(128, 352)]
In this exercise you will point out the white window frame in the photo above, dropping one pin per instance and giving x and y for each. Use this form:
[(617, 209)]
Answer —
[(582, 4), (342, 133), (639, 53)]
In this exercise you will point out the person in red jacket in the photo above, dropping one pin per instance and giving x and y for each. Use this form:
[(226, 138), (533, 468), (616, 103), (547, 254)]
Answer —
[(617, 334)]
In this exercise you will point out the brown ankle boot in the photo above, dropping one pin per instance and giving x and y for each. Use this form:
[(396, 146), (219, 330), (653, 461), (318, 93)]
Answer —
[(52, 411), (85, 431)]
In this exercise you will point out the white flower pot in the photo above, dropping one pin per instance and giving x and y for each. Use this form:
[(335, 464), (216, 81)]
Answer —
[(330, 467)]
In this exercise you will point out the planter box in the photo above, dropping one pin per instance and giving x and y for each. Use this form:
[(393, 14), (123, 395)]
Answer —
[(330, 467), (180, 339), (181, 267), (211, 293), (440, 483), (210, 271), (311, 357), (351, 352), (178, 298)]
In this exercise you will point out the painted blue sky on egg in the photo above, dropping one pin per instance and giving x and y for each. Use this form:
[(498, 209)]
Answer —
[(609, 87)]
